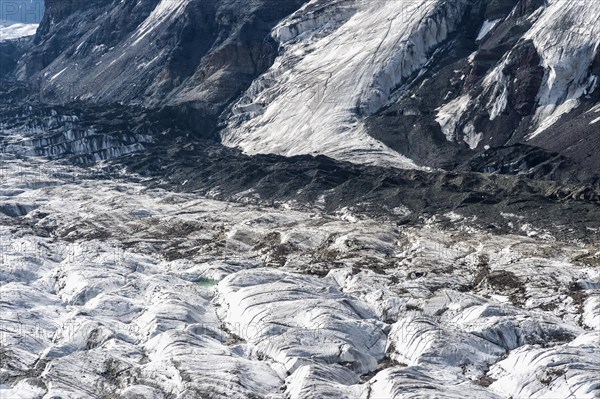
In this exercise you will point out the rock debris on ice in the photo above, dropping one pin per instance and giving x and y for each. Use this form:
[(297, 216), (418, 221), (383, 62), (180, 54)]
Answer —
[(113, 289)]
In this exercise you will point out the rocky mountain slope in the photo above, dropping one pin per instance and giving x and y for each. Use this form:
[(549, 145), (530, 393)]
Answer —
[(419, 84), (21, 11), (152, 52), (526, 74)]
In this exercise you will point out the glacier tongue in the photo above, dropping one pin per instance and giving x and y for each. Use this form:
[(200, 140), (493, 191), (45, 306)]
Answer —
[(341, 61), (567, 37)]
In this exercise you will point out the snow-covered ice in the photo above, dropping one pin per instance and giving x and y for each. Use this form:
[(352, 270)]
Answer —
[(486, 28), (566, 76), (557, 25), (449, 115), (111, 288), (340, 63)]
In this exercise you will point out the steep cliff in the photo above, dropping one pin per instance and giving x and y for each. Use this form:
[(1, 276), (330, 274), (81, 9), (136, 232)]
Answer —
[(520, 74)]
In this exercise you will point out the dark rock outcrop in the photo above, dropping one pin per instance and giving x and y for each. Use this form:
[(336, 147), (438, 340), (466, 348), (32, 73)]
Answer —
[(153, 53), (11, 52), (459, 69)]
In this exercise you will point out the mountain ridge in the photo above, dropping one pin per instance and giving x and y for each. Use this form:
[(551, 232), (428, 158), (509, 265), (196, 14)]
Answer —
[(257, 75)]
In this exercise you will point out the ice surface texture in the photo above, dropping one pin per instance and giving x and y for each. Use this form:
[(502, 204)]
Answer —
[(111, 288)]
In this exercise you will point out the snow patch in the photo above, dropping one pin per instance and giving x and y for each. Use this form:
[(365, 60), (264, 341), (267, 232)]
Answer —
[(547, 115), (449, 115), (59, 73), (165, 10), (471, 137), (486, 28)]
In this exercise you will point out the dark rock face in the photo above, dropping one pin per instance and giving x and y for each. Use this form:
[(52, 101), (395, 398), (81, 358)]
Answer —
[(58, 10), (458, 69), (526, 74), (496, 9), (525, 160), (152, 52), (523, 75), (10, 53), (575, 137)]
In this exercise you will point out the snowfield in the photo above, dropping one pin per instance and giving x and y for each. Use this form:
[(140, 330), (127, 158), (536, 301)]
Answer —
[(16, 31), (111, 289)]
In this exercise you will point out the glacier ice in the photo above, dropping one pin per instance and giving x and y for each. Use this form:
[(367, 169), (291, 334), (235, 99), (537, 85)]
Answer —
[(566, 76), (340, 63), (112, 288)]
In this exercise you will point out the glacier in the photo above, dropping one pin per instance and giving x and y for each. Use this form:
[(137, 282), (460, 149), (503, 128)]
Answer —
[(140, 258), (567, 40), (370, 82), (110, 287), (567, 77), (340, 62)]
